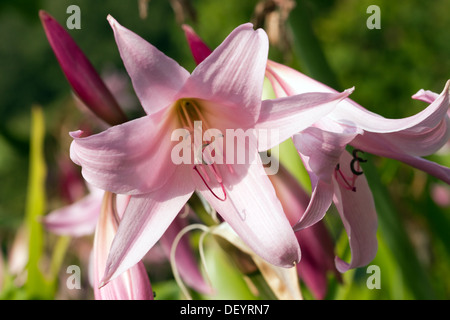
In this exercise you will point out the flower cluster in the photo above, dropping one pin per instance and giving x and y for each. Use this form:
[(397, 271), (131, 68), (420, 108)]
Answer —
[(201, 137)]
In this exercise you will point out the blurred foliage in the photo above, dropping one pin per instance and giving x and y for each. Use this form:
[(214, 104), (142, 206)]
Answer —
[(411, 51)]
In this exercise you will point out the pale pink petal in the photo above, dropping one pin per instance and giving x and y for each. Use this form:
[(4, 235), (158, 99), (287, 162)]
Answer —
[(233, 74), (427, 133), (423, 143), (131, 285), (322, 149), (421, 122), (199, 49), (439, 171), (254, 212), (146, 219), (358, 214), (321, 199), (376, 144), (156, 78), (132, 158), (186, 261), (320, 152), (293, 114), (293, 197), (425, 95), (77, 219), (288, 81)]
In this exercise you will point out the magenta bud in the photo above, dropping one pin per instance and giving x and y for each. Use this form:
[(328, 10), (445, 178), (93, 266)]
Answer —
[(83, 78)]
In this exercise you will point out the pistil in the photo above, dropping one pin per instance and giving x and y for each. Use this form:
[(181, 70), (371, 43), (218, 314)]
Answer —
[(190, 114)]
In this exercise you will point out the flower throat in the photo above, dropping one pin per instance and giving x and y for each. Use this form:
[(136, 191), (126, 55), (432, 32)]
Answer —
[(189, 115)]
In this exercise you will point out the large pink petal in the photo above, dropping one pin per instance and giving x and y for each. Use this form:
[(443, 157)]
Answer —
[(320, 152), (287, 81), (425, 95), (322, 149), (132, 158), (358, 214), (293, 114), (77, 219), (254, 212), (423, 121), (131, 285), (145, 220), (293, 197), (233, 73), (423, 143), (156, 78), (320, 202), (428, 131), (379, 145)]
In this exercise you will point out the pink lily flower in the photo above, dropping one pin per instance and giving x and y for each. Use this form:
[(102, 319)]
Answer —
[(337, 176), (317, 247), (223, 92), (81, 217)]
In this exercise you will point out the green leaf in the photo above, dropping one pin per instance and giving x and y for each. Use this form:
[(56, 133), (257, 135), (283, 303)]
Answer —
[(307, 47), (37, 287), (392, 230), (227, 281)]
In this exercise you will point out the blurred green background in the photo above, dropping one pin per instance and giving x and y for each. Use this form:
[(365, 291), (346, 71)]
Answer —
[(411, 51)]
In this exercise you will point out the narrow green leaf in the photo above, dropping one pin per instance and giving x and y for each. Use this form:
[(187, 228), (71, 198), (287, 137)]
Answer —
[(226, 279), (36, 286), (393, 232), (307, 47)]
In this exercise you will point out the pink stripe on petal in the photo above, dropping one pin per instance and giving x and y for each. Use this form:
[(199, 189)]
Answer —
[(358, 214), (132, 158), (293, 114), (77, 219), (145, 220), (254, 212), (233, 73), (426, 96), (131, 285), (156, 78)]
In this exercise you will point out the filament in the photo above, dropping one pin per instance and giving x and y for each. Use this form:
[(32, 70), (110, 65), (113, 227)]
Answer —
[(173, 262)]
